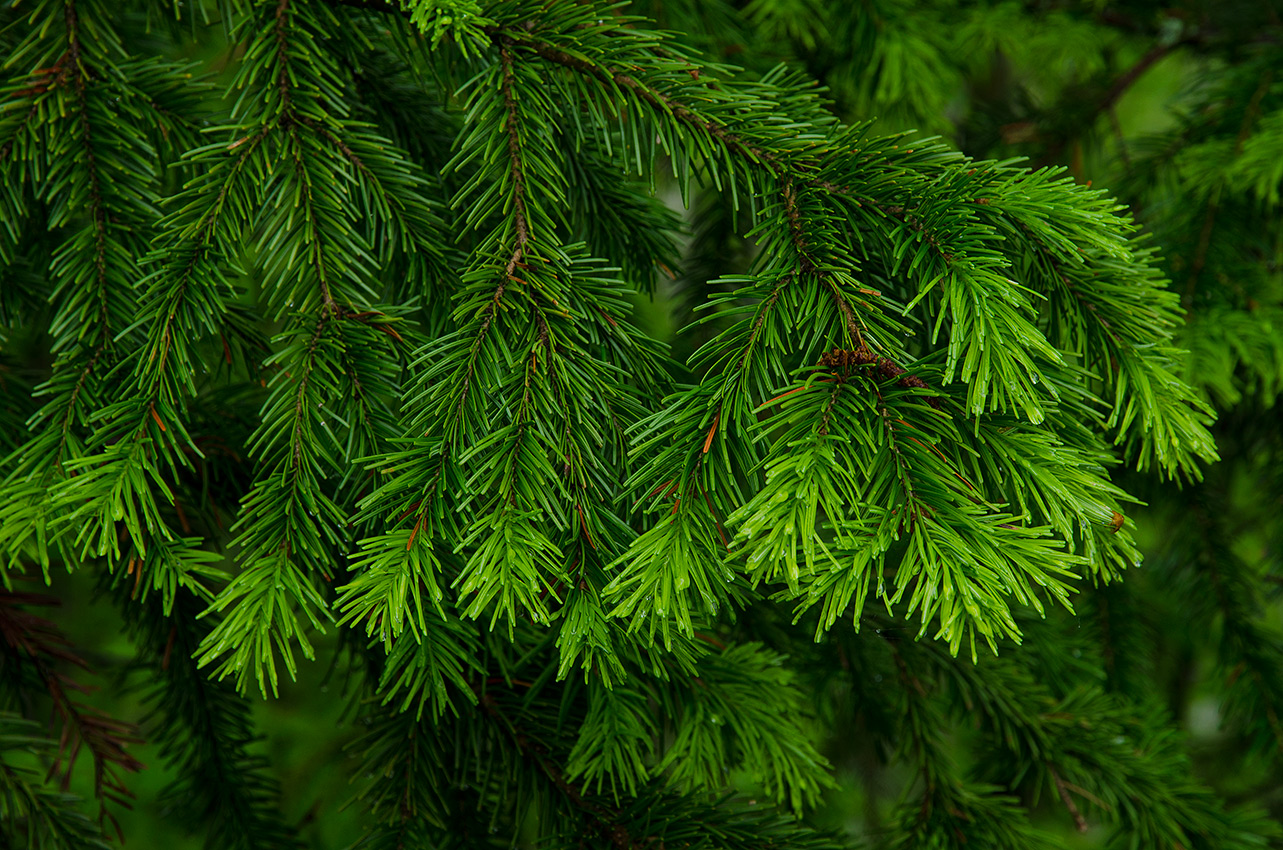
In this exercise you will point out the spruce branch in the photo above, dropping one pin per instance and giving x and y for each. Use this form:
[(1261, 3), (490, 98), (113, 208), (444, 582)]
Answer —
[(72, 79), (323, 268), (77, 71), (74, 71), (373, 321), (984, 304), (792, 161), (521, 231), (100, 204)]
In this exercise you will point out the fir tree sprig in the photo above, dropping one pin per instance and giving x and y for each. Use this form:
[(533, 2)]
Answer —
[(360, 348), (934, 214), (92, 174)]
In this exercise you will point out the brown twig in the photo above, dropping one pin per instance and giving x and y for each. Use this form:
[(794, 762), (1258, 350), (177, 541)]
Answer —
[(1079, 821), (841, 362)]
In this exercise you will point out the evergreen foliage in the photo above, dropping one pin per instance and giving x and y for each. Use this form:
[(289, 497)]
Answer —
[(332, 335)]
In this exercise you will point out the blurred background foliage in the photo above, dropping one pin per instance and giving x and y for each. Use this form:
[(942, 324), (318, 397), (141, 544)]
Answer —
[(1177, 107)]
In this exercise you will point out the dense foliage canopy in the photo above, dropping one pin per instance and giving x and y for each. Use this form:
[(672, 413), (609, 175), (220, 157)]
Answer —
[(634, 448)]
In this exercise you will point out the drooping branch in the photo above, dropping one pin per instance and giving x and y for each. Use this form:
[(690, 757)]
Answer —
[(76, 69), (780, 163), (73, 70), (200, 245), (521, 229)]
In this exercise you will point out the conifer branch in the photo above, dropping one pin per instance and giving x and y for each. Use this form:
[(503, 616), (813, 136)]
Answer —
[(661, 103), (72, 68), (808, 265), (970, 287), (77, 73), (521, 230), (914, 508), (290, 121), (910, 377), (198, 250), (784, 166)]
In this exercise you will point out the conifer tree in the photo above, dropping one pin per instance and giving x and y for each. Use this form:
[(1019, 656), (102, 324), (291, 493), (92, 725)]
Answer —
[(332, 337)]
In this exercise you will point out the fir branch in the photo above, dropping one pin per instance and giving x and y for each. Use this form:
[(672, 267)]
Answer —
[(197, 248), (317, 358), (97, 216), (76, 71), (520, 237), (783, 165), (886, 366), (657, 100), (105, 173), (72, 69), (914, 509), (786, 162), (903, 389)]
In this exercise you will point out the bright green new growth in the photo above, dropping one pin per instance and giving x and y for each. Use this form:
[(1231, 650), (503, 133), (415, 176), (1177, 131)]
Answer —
[(352, 348)]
